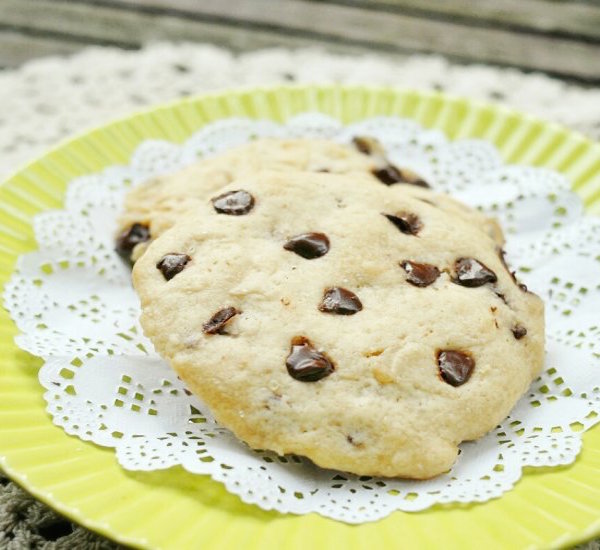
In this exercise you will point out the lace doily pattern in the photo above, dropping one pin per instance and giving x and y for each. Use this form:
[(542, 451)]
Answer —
[(73, 303)]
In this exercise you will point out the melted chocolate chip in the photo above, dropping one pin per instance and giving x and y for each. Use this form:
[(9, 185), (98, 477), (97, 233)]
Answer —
[(472, 273), (217, 322), (519, 331), (134, 235), (341, 301), (172, 264), (455, 367), (390, 174), (406, 222), (368, 146), (420, 275), (305, 363), (234, 203), (308, 245)]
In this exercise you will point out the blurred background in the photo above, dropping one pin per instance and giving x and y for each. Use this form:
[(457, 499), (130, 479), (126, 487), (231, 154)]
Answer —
[(67, 65), (554, 36)]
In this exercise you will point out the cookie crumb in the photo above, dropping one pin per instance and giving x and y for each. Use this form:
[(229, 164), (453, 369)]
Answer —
[(373, 353), (353, 441), (382, 377)]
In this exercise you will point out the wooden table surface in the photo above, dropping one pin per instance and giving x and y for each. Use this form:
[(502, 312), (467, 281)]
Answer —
[(556, 36)]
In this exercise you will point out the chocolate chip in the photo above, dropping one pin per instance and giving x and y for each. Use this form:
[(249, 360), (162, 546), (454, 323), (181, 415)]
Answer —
[(308, 245), (234, 203), (472, 273), (501, 296), (172, 264), (368, 146), (305, 363), (217, 322), (406, 222), (519, 331), (341, 301), (420, 275), (390, 174), (134, 235), (455, 367)]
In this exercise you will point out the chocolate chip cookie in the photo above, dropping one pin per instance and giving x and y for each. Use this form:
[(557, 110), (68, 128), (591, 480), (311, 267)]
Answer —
[(358, 325)]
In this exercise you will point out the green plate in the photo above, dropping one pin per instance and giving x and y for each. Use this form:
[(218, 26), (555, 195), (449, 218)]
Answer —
[(178, 510)]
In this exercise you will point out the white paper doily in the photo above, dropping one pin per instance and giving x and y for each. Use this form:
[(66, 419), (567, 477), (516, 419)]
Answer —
[(73, 303)]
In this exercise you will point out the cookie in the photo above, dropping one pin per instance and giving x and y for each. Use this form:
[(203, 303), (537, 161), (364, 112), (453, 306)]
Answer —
[(356, 325), (156, 206)]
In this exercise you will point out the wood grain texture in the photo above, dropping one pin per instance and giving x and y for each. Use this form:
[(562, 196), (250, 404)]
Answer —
[(103, 25), (558, 17), (566, 17), (17, 48), (553, 36), (396, 30)]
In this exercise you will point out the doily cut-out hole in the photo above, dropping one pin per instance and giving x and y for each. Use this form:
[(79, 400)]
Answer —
[(74, 306)]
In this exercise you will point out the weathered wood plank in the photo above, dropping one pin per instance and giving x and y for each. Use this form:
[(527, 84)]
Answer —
[(580, 19), (104, 25), (544, 16), (16, 48), (248, 25)]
